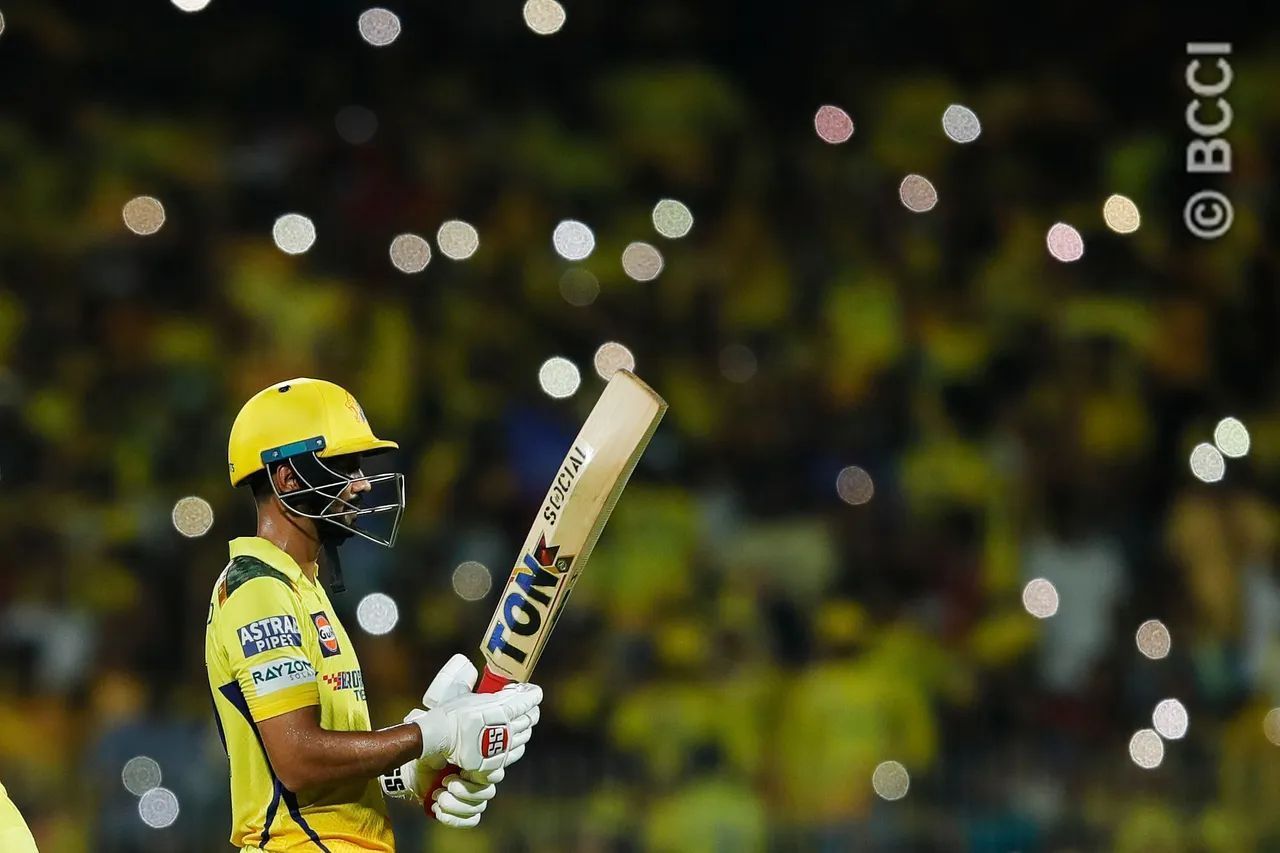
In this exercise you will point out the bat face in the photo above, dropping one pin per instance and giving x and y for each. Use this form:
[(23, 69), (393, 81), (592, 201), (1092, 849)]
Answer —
[(581, 497)]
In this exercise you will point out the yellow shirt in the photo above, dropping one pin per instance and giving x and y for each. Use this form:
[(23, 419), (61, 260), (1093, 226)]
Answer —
[(273, 644), (14, 835)]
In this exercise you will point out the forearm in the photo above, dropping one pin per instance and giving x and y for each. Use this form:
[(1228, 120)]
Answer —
[(322, 756)]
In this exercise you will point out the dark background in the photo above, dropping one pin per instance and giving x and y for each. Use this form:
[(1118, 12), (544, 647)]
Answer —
[(745, 647)]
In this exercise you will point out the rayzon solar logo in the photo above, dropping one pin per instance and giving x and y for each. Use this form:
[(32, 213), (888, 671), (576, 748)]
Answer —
[(1208, 213), (279, 674)]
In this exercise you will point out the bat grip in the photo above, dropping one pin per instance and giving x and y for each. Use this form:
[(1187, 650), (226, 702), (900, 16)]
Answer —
[(490, 682)]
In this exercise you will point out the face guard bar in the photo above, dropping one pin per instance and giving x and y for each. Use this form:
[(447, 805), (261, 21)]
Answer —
[(321, 497)]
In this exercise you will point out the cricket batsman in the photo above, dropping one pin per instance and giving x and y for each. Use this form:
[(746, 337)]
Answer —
[(307, 771)]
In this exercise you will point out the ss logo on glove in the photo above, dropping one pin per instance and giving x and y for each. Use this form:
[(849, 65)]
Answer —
[(493, 741), (393, 782)]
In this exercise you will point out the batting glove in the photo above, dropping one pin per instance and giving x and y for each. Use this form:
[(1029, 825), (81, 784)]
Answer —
[(456, 678), (462, 797), (452, 729), (480, 731)]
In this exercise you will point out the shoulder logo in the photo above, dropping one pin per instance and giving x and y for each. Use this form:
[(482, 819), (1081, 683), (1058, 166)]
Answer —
[(273, 632), (279, 674), (328, 636)]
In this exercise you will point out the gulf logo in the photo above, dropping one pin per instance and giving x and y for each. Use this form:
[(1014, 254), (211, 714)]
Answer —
[(328, 637)]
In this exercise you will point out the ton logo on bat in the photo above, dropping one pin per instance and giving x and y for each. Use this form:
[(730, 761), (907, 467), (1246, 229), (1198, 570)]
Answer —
[(538, 578)]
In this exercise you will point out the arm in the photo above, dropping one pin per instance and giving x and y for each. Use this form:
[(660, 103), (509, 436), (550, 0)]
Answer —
[(481, 733), (303, 754)]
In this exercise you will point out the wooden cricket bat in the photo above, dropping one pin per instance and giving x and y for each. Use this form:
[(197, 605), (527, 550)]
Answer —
[(582, 495)]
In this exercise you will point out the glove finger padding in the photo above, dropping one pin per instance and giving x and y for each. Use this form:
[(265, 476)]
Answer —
[(451, 821), (467, 790), (513, 755), (523, 698), (518, 740), (527, 721), (450, 804), (491, 778)]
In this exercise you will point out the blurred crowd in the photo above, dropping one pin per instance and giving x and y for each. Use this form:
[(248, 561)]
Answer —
[(745, 647)]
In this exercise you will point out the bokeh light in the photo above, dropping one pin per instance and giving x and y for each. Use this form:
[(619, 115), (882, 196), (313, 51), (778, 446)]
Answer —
[(738, 363), (356, 124), (854, 485), (833, 124), (1231, 437), (579, 287), (544, 17), (294, 233), (410, 253), (1121, 214), (917, 194), (672, 218), (1271, 726), (1064, 242), (559, 377), (890, 780), (140, 774), (1207, 463), (611, 357), (192, 516), (1146, 749), (1040, 598), (1153, 639), (379, 27), (1170, 719), (573, 240), (143, 215), (961, 124), (377, 613), (641, 261), (457, 240), (472, 580), (158, 808)]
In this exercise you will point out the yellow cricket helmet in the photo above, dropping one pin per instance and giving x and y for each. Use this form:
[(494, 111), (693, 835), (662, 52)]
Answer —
[(294, 417)]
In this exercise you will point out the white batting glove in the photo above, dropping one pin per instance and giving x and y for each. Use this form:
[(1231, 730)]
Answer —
[(462, 797), (456, 678), (480, 731)]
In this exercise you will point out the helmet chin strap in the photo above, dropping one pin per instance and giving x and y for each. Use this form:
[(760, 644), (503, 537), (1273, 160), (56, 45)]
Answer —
[(334, 562), (331, 536)]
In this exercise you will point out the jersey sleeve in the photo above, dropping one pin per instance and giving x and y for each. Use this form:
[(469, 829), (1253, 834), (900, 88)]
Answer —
[(260, 630)]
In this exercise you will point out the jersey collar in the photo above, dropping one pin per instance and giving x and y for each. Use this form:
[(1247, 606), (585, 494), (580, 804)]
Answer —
[(269, 553)]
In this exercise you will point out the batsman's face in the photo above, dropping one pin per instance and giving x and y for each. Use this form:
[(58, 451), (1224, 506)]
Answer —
[(353, 492)]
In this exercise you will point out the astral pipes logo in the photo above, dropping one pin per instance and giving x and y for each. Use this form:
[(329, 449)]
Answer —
[(1208, 213)]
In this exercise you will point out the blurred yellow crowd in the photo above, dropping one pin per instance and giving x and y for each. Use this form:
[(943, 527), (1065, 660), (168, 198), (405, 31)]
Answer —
[(745, 648)]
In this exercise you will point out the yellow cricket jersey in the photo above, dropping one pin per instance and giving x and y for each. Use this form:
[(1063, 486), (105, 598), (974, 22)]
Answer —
[(14, 835), (272, 645)]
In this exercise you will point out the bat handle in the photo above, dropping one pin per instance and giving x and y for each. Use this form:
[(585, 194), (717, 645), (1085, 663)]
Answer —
[(490, 682)]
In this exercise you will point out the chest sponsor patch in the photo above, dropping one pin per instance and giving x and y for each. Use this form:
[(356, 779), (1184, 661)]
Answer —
[(279, 674), (328, 636), (273, 632), (351, 679)]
